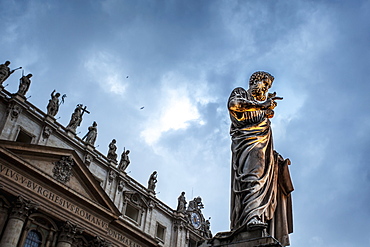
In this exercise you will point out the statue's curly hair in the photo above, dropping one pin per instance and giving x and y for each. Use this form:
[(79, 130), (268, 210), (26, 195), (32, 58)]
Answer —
[(260, 75)]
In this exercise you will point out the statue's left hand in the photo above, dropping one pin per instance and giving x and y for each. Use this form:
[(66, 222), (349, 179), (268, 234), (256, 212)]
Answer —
[(269, 113)]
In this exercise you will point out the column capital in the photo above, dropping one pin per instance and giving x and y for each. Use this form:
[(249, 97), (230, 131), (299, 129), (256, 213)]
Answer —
[(22, 208), (99, 242), (68, 232)]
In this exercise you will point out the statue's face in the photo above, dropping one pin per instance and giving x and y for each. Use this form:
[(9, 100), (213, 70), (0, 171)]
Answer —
[(259, 89)]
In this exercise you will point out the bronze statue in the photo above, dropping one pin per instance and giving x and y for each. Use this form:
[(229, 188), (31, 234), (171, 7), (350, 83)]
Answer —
[(76, 118), (53, 106), (255, 168), (91, 135), (195, 204), (112, 155), (24, 84), (5, 71), (152, 182), (181, 203), (125, 160)]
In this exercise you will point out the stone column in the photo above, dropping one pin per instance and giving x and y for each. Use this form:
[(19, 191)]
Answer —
[(4, 208), (179, 231), (49, 240), (20, 211), (67, 234)]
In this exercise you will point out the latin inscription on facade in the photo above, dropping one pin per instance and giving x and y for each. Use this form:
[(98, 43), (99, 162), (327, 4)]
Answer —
[(51, 196), (64, 203), (123, 239)]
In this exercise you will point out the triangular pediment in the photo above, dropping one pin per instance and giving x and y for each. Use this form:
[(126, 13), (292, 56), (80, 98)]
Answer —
[(54, 168), (136, 198)]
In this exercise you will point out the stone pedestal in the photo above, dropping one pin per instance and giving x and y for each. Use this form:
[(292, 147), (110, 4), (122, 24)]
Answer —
[(50, 118), (90, 147), (19, 97), (71, 133), (255, 238)]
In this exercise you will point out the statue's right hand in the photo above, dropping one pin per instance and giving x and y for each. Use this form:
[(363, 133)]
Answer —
[(267, 104)]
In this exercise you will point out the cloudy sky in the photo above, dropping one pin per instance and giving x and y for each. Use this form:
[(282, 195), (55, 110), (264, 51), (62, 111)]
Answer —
[(180, 60)]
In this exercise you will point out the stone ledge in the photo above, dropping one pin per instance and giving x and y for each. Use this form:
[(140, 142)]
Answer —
[(256, 238)]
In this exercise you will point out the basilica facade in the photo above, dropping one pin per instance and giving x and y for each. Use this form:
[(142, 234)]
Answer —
[(56, 189)]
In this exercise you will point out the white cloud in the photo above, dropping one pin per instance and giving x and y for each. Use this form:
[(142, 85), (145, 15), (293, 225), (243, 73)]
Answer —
[(178, 106), (177, 113), (103, 69)]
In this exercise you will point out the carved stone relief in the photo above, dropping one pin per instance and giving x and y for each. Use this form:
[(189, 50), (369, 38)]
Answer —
[(46, 132), (111, 176), (14, 110), (63, 169), (88, 159)]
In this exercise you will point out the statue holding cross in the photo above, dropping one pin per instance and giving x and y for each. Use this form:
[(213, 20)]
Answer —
[(76, 117)]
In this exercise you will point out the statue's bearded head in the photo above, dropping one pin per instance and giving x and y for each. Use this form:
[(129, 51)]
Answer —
[(259, 84)]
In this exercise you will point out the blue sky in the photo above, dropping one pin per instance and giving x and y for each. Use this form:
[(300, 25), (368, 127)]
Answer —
[(182, 59)]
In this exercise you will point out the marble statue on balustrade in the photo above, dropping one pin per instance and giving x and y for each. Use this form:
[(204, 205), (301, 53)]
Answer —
[(76, 117), (5, 71), (53, 105), (112, 155), (258, 199), (24, 84), (91, 135), (152, 182), (125, 160), (181, 203)]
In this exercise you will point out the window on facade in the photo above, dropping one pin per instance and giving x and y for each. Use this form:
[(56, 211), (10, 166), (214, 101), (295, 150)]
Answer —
[(33, 239), (132, 213), (23, 137), (161, 230), (192, 243)]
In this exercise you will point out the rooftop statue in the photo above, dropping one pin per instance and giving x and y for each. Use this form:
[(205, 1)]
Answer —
[(24, 84), (76, 118), (112, 155), (5, 71), (53, 106), (125, 160), (181, 203), (207, 228), (152, 182), (91, 135), (195, 204), (256, 197)]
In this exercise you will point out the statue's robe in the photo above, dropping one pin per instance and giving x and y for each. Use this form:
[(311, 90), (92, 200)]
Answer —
[(254, 175)]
